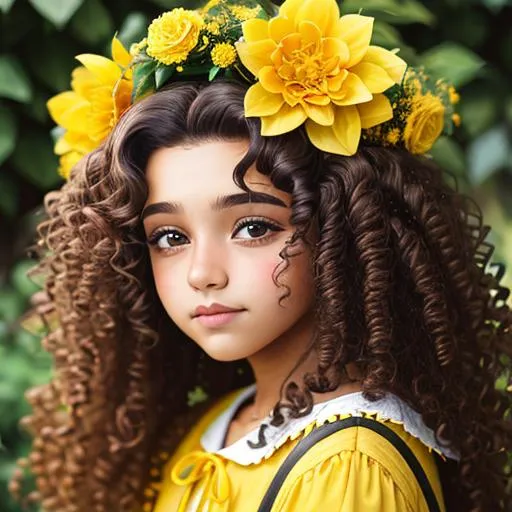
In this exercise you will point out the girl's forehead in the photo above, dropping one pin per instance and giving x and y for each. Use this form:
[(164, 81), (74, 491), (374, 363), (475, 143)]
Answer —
[(204, 169)]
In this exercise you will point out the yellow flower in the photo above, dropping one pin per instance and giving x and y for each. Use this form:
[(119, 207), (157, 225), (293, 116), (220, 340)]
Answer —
[(244, 13), (454, 95), (318, 68), (173, 35), (213, 27), (424, 124), (456, 120), (101, 93), (136, 48), (223, 55)]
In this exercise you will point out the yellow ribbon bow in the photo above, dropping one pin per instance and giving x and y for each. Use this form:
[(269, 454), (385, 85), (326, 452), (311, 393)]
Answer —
[(195, 466)]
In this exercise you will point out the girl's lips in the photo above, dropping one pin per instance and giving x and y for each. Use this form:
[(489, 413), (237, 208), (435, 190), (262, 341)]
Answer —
[(219, 319)]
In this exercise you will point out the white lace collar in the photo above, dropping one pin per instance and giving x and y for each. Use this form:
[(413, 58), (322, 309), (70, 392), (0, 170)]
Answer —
[(388, 408)]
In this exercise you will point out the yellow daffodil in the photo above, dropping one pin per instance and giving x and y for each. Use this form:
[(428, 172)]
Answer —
[(316, 67), (101, 92)]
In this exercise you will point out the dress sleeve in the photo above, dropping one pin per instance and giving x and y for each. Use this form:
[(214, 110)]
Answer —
[(349, 481)]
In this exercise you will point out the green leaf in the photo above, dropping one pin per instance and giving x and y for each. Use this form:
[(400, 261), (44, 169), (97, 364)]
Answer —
[(92, 23), (14, 82), (451, 61), (19, 278), (8, 132), (9, 196), (5, 5), (213, 73), (479, 108), (133, 28), (487, 154), (143, 79), (35, 160), (163, 74), (449, 155), (57, 12), (391, 11), (11, 304)]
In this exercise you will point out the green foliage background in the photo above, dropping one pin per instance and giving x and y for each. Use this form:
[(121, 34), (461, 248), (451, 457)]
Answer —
[(467, 41)]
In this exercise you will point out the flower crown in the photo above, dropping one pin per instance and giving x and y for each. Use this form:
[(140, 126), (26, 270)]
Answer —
[(305, 63)]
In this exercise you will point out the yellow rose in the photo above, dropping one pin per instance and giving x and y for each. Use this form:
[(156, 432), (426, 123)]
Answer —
[(173, 35), (424, 123)]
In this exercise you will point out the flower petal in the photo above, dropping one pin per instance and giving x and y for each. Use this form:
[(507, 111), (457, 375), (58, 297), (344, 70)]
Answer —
[(375, 112), (374, 77), (255, 29), (352, 92), (290, 8), (392, 63), (342, 138), (310, 32), (105, 70), (323, 115), (356, 31), (119, 53), (323, 13), (255, 56), (279, 28), (335, 47), (270, 80), (286, 120), (259, 102), (58, 105)]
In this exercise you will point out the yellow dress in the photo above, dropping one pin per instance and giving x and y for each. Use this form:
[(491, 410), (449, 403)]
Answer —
[(354, 469)]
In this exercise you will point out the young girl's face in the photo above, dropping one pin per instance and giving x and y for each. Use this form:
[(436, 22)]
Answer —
[(209, 245)]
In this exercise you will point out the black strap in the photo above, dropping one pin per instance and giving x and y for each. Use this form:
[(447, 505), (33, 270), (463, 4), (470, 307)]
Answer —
[(330, 428)]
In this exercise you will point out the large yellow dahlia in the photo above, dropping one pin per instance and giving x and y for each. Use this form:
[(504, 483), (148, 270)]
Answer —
[(316, 67), (101, 92)]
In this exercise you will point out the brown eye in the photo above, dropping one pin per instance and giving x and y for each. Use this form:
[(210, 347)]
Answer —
[(252, 228)]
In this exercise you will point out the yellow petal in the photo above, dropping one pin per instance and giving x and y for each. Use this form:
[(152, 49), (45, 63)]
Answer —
[(105, 70), (279, 28), (291, 43), (392, 63), (76, 118), (336, 47), (255, 29), (373, 76), (342, 138), (375, 112), (83, 81), (61, 103), (310, 32), (323, 115), (62, 146), (270, 80), (286, 120), (119, 53), (259, 102), (290, 8), (323, 13), (356, 31), (352, 92), (255, 56)]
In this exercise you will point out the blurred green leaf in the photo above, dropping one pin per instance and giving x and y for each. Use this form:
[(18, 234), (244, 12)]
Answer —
[(57, 12), (11, 304), (479, 109), (14, 82), (450, 156), (452, 61), (9, 197), (8, 132), (391, 11), (5, 5), (496, 5), (35, 160), (133, 28), (92, 23), (487, 154), (19, 278)]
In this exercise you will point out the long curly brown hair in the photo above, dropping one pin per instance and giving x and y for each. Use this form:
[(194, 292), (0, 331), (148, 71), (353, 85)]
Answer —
[(404, 290)]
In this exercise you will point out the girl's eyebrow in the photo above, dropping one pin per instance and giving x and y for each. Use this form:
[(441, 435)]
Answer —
[(221, 203)]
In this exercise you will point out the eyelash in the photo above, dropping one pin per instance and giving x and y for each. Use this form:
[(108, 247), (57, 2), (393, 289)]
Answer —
[(274, 228)]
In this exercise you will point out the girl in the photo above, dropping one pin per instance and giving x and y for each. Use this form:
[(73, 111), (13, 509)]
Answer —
[(297, 320)]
